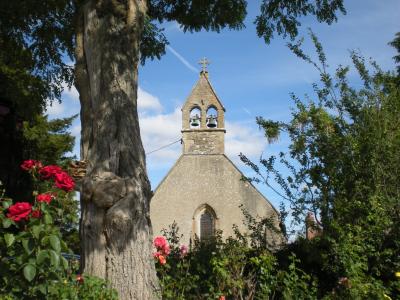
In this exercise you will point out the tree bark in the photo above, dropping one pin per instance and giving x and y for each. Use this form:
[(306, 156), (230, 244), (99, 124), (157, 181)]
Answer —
[(115, 222)]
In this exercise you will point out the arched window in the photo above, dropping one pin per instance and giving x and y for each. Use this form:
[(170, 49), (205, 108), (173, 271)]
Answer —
[(207, 226), (212, 117), (195, 118), (205, 222)]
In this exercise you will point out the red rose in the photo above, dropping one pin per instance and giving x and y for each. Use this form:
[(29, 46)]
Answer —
[(18, 211), (49, 172), (79, 278), (36, 214), (44, 198), (64, 181), (30, 164)]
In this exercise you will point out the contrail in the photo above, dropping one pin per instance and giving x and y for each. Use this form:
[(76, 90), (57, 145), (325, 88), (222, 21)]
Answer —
[(182, 59)]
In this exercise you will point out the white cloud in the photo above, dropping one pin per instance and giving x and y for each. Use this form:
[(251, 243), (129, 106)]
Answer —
[(69, 105), (241, 138), (76, 130), (148, 102), (70, 93), (55, 109), (158, 130)]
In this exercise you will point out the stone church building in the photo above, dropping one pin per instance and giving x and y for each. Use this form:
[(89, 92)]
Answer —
[(203, 190)]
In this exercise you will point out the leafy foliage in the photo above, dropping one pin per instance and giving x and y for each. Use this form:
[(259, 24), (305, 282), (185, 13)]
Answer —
[(396, 44), (35, 41), (283, 16), (37, 37), (240, 267), (48, 141), (32, 248), (343, 166)]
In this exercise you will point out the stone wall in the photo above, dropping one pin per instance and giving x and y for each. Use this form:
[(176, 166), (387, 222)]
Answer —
[(198, 181), (203, 141)]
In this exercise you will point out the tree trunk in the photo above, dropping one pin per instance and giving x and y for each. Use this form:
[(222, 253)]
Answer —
[(115, 223)]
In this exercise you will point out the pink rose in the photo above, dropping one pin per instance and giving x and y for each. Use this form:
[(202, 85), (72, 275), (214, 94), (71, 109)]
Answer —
[(49, 172), (64, 181), (162, 245), (18, 211), (159, 242), (183, 250), (166, 250), (44, 198), (30, 164)]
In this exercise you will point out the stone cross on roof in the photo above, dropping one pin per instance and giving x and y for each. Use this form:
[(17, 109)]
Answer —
[(204, 62)]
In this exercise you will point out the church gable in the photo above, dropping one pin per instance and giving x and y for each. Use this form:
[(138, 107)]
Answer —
[(204, 190), (200, 181)]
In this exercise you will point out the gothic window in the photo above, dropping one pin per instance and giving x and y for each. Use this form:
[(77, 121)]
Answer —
[(207, 225), (212, 117), (195, 118)]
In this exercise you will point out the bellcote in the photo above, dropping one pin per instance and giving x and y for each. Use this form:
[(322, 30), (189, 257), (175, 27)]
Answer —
[(203, 103), (203, 125)]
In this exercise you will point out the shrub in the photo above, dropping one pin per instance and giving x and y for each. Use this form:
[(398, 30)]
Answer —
[(31, 262), (230, 269)]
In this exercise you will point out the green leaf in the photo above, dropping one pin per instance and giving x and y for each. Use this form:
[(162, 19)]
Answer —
[(42, 289), (47, 219), (54, 258), (6, 203), (7, 223), (9, 238), (55, 243), (36, 229), (44, 241), (29, 272), (41, 256), (64, 262), (28, 245)]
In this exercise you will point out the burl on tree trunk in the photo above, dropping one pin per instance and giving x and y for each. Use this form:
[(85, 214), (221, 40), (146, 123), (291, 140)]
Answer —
[(115, 225)]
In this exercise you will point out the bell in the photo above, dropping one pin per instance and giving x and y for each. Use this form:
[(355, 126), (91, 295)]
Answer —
[(195, 121), (211, 122)]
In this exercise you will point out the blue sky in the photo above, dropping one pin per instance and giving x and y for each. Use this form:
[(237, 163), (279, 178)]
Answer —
[(251, 78)]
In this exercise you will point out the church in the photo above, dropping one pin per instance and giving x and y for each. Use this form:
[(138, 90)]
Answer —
[(204, 190)]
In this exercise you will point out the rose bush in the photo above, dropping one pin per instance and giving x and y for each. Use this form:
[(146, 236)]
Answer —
[(32, 249), (232, 269)]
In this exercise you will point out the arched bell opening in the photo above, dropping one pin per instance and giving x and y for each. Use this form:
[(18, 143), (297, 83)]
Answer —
[(212, 118), (195, 118)]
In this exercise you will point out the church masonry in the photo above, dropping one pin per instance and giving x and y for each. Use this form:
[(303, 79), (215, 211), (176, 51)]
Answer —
[(204, 190)]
